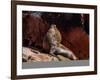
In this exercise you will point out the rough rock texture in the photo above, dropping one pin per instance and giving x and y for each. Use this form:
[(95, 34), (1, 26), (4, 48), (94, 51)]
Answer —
[(34, 29), (31, 55), (77, 40)]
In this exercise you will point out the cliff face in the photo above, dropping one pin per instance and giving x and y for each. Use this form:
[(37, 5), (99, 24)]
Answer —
[(34, 30), (73, 36), (77, 40)]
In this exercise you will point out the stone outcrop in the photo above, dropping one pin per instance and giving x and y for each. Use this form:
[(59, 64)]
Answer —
[(32, 55)]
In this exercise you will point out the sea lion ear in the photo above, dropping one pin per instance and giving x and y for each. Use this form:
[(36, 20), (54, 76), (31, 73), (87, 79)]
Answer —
[(53, 25)]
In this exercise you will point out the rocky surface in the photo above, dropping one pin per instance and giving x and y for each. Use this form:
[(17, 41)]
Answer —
[(32, 55)]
